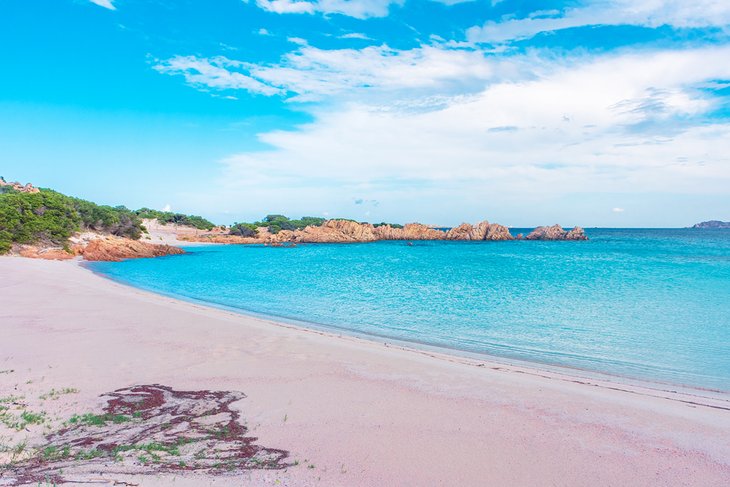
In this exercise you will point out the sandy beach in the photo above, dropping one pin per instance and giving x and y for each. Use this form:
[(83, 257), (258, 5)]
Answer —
[(349, 411)]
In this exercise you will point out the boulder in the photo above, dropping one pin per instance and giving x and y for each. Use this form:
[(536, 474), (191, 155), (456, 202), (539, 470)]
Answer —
[(556, 232)]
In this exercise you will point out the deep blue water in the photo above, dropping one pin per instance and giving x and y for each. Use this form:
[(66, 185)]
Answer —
[(648, 304)]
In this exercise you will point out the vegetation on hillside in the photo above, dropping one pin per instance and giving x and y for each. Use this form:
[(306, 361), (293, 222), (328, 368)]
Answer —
[(277, 223), (177, 218), (393, 225), (244, 230), (51, 217)]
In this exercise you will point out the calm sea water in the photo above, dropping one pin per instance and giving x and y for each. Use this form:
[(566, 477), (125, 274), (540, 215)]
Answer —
[(648, 304)]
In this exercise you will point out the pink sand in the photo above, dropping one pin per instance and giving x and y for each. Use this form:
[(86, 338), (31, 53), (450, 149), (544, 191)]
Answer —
[(362, 412)]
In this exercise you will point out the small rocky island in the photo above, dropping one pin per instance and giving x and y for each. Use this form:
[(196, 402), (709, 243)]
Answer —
[(712, 224)]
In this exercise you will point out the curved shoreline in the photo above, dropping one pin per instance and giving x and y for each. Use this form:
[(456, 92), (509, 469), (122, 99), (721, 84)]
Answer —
[(361, 413), (693, 395)]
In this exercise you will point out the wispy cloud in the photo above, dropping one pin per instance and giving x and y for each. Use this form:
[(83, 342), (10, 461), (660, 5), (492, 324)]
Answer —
[(213, 73), (104, 3), (360, 9), (354, 35), (310, 73), (648, 13)]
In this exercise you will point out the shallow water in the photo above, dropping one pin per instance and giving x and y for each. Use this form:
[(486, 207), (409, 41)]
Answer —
[(648, 304)]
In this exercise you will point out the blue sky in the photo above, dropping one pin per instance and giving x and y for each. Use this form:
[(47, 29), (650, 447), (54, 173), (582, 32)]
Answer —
[(599, 113)]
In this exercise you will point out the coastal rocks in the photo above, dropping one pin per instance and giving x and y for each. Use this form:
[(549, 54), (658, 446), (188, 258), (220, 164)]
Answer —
[(480, 231), (53, 253), (497, 232), (556, 232), (343, 231), (466, 231), (331, 231), (411, 231), (712, 224), (22, 188), (348, 231), (96, 247), (577, 233), (114, 249)]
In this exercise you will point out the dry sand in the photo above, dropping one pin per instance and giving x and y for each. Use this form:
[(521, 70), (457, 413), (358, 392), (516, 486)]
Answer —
[(359, 412), (168, 234)]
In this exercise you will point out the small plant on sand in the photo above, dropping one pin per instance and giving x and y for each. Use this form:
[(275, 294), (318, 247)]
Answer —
[(51, 453), (54, 394), (99, 419), (21, 421)]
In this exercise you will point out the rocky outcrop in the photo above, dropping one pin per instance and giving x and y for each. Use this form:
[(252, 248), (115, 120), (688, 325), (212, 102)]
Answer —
[(331, 231), (712, 224), (466, 231), (35, 252), (577, 233), (411, 231), (556, 232), (115, 249), (95, 247), (23, 188), (480, 231), (343, 231), (348, 231)]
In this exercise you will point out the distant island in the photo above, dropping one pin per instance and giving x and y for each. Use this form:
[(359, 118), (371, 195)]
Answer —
[(42, 223), (712, 224)]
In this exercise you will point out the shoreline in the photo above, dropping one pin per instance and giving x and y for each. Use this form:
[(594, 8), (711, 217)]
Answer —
[(477, 359), (352, 407)]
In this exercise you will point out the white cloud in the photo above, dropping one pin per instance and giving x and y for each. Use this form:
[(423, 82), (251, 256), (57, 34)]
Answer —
[(591, 126), (617, 210), (454, 2), (213, 73), (309, 73), (649, 13), (354, 35), (167, 207), (360, 9), (287, 6), (104, 3)]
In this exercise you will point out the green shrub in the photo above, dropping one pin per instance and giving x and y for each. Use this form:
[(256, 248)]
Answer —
[(177, 218), (51, 217), (393, 225), (277, 223), (244, 230)]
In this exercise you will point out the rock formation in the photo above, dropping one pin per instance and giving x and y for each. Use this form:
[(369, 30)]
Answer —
[(344, 231), (480, 231), (98, 248), (23, 188), (53, 253), (348, 231), (115, 249), (712, 224), (411, 231), (556, 232)]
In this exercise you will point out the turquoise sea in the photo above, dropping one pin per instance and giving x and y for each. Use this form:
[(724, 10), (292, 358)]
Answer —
[(641, 303)]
